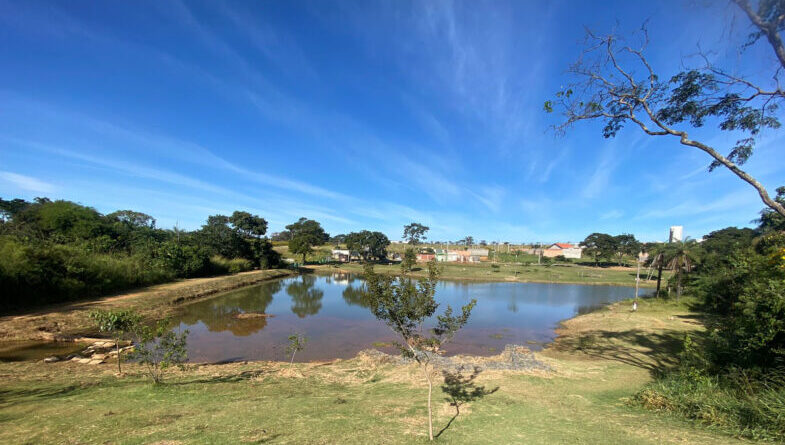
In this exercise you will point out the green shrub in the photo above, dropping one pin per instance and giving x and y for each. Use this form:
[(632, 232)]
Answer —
[(736, 403), (220, 264)]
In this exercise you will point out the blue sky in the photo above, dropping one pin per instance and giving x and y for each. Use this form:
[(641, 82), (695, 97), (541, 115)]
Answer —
[(357, 114)]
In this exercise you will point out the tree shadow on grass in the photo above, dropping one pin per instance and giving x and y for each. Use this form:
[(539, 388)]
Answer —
[(655, 352), (9, 397), (228, 378), (461, 389)]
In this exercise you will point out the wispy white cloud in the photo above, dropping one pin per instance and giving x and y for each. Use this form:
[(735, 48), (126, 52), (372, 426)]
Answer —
[(27, 183), (693, 206), (612, 214)]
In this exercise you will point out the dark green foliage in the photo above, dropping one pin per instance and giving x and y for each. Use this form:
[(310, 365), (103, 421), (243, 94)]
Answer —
[(305, 234), (409, 260), (57, 251), (370, 245), (414, 233), (159, 348), (744, 402), (625, 245), (599, 246), (737, 403)]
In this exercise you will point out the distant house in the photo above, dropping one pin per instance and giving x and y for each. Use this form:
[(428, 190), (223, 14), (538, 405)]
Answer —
[(341, 255), (425, 257), (562, 249), (441, 255), (477, 255), (462, 256)]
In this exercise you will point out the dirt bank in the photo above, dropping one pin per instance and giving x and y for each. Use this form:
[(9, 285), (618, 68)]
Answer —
[(69, 321)]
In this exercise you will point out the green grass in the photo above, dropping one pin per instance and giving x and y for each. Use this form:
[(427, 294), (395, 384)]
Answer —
[(255, 404), (738, 406), (586, 399), (568, 273)]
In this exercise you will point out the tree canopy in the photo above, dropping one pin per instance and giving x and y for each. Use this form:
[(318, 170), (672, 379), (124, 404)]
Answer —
[(414, 233), (370, 245), (614, 82), (59, 250), (305, 234)]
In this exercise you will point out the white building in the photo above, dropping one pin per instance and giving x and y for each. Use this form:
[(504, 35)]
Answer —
[(676, 234)]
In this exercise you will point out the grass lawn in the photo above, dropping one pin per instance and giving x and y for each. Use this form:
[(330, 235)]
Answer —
[(567, 273), (599, 361)]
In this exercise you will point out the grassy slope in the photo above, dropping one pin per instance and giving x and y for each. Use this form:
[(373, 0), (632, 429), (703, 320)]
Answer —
[(71, 319), (361, 401)]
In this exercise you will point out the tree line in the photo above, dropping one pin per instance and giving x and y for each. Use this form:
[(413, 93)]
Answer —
[(55, 251)]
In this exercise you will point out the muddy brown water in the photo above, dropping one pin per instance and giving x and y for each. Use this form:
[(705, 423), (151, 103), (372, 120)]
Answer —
[(328, 310)]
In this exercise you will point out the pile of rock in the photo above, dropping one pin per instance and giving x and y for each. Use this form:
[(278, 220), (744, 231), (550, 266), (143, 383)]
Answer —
[(513, 358), (95, 354)]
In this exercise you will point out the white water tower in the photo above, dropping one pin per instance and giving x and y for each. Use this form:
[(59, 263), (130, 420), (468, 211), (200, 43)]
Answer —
[(676, 233)]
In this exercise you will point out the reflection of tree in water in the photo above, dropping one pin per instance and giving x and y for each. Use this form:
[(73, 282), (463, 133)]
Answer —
[(306, 299), (219, 314), (355, 296)]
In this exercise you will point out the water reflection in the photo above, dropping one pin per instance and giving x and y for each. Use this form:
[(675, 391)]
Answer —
[(330, 310), (224, 314), (306, 299), (354, 296)]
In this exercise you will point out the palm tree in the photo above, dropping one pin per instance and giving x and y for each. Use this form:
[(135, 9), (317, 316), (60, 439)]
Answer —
[(680, 257), (658, 255)]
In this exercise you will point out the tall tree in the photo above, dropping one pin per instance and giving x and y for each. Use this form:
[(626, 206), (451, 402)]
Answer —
[(404, 305), (682, 261), (370, 245), (223, 240), (248, 225), (414, 233), (626, 245), (253, 228), (615, 83), (599, 245), (306, 233)]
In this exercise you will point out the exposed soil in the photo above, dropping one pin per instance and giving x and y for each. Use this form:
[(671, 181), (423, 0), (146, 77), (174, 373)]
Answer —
[(70, 322)]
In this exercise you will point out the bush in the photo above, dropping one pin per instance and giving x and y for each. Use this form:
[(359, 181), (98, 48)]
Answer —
[(38, 273), (735, 403), (222, 265), (159, 348)]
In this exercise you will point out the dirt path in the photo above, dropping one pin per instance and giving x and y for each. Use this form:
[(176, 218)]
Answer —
[(69, 321)]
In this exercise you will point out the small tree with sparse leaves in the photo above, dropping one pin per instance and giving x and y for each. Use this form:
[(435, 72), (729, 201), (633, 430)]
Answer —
[(118, 324), (404, 305), (296, 343), (159, 348)]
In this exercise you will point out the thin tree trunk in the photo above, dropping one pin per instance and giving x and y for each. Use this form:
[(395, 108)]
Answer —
[(678, 287), (430, 415), (659, 276), (117, 346), (637, 279)]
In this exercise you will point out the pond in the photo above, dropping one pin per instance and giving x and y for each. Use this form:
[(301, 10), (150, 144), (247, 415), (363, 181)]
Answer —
[(328, 310)]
